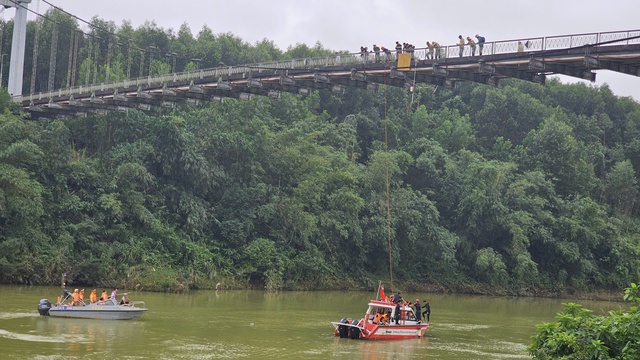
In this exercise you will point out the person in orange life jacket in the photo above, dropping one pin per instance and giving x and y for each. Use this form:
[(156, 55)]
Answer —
[(76, 297)]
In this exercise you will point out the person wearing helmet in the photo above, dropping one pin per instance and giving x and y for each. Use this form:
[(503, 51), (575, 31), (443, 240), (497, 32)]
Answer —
[(387, 53), (480, 43), (471, 44)]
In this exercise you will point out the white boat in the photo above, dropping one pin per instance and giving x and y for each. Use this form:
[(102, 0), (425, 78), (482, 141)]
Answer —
[(108, 309)]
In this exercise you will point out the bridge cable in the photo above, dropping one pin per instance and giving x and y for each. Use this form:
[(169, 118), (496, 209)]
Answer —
[(34, 65), (53, 55), (70, 61), (74, 65)]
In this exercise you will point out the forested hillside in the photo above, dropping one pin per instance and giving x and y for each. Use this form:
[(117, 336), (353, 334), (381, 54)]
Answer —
[(521, 188)]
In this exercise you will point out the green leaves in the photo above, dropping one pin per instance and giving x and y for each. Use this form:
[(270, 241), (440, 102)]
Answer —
[(578, 334)]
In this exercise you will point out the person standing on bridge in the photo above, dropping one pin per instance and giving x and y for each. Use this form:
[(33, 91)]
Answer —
[(520, 47), (376, 50), (430, 49), (436, 46), (461, 44), (480, 43), (387, 54), (471, 44), (398, 48)]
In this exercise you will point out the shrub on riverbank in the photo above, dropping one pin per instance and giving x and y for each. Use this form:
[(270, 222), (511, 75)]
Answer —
[(580, 335)]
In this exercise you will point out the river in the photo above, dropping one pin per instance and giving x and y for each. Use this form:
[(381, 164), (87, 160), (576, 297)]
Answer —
[(282, 325)]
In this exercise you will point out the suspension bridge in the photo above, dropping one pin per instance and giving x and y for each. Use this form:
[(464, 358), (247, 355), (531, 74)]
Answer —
[(530, 59)]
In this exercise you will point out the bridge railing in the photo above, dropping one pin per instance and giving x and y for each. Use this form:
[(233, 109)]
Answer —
[(449, 51), (623, 36)]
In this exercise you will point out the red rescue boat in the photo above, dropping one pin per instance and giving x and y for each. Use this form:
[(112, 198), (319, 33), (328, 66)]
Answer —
[(379, 323)]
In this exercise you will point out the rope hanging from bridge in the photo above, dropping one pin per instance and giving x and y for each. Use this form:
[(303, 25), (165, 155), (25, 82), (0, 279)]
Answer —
[(388, 191)]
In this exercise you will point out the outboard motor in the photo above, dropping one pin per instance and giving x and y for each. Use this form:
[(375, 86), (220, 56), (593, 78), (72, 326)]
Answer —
[(354, 332), (343, 330), (43, 307)]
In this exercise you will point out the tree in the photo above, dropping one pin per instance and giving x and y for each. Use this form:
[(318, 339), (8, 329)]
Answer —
[(578, 334)]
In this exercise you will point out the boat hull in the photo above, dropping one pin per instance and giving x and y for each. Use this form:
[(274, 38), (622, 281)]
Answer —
[(97, 312), (381, 332)]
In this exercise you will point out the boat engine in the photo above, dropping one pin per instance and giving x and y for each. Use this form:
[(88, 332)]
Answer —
[(354, 332), (43, 307), (343, 330)]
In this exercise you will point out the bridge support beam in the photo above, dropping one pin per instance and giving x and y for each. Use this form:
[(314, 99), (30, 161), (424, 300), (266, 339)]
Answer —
[(593, 62)]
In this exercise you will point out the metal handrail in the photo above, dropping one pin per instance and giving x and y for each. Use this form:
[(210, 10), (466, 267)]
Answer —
[(448, 51)]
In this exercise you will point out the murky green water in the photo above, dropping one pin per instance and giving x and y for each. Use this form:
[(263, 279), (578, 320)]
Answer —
[(260, 325)]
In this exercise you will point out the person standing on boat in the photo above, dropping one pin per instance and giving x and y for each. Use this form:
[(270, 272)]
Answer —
[(396, 316), (397, 298), (418, 307), (427, 311), (114, 294)]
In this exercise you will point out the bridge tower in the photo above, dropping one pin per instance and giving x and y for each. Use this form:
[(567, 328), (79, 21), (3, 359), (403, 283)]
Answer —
[(18, 44)]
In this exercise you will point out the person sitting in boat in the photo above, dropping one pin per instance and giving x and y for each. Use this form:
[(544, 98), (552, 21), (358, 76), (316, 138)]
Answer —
[(378, 318), (114, 294), (81, 297), (93, 297), (76, 297), (104, 295), (124, 300), (385, 318)]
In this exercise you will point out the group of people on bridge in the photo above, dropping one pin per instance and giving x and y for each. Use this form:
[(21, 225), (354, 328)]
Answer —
[(433, 50)]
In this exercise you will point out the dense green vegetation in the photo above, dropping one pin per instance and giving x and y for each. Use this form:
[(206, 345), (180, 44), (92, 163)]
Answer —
[(522, 188), (580, 335)]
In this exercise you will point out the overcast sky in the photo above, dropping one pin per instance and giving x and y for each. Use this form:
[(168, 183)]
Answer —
[(349, 24)]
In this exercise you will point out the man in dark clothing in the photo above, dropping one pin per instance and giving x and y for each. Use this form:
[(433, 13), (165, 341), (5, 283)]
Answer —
[(396, 316), (397, 298), (418, 308), (427, 310)]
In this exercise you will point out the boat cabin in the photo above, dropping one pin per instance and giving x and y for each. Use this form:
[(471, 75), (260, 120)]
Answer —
[(384, 312)]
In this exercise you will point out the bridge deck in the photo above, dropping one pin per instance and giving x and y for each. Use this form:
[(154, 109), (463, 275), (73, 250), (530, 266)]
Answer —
[(300, 76)]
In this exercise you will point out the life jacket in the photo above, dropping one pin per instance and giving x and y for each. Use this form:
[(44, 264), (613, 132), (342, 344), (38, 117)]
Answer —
[(377, 318)]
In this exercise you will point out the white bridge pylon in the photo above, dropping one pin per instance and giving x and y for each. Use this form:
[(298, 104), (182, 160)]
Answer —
[(16, 64)]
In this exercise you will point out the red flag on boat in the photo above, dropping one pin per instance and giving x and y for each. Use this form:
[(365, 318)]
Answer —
[(382, 297)]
